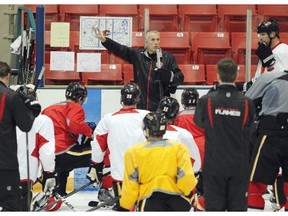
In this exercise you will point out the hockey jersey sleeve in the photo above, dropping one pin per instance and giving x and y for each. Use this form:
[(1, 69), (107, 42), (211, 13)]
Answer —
[(186, 180), (45, 142), (76, 120), (187, 139), (100, 144)]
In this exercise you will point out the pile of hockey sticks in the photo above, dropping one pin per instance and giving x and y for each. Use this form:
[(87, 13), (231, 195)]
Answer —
[(40, 201), (26, 67)]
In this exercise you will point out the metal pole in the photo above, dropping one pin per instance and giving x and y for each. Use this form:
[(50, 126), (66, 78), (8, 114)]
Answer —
[(146, 23), (40, 45), (248, 45)]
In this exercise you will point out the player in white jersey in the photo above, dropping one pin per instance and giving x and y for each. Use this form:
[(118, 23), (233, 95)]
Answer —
[(272, 52), (170, 106), (273, 57), (41, 145), (116, 132)]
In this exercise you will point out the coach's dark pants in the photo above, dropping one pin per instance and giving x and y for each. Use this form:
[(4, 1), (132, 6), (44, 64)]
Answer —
[(225, 193)]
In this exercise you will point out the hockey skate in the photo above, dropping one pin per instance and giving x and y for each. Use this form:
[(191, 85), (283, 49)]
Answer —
[(104, 196)]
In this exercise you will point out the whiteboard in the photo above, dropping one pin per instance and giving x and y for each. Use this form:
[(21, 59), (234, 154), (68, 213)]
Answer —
[(120, 31)]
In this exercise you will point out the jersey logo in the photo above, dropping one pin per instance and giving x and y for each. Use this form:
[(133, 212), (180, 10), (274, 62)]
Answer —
[(227, 112)]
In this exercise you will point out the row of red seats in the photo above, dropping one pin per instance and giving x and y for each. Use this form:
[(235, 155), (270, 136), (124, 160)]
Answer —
[(115, 74), (194, 48), (217, 17)]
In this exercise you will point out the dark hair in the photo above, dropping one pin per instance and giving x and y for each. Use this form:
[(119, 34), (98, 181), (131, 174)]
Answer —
[(4, 69), (227, 70)]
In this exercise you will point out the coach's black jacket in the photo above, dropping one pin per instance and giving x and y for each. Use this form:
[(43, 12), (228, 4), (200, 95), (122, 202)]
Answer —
[(226, 115), (144, 67), (13, 112)]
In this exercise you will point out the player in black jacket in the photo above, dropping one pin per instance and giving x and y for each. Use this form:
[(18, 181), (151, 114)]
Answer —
[(15, 109), (155, 79), (226, 115)]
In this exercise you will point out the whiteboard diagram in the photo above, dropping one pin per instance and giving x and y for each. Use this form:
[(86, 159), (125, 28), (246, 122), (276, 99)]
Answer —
[(120, 29)]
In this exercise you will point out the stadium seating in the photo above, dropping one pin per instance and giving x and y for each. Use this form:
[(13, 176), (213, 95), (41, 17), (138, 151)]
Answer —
[(138, 39), (127, 10), (211, 73), (60, 77), (51, 13), (242, 73), (278, 12), (284, 37), (198, 17), (109, 74), (162, 17), (238, 44), (193, 73), (72, 13), (177, 43), (210, 47), (232, 18), (128, 75)]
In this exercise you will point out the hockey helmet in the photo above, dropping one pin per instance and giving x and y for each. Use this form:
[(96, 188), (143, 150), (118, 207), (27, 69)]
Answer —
[(130, 94), (156, 122), (28, 90), (189, 97), (75, 91), (268, 26), (169, 106)]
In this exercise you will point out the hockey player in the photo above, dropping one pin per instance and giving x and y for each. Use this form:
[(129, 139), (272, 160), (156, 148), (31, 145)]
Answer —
[(270, 151), (17, 109), (154, 80), (116, 132), (68, 120), (41, 145), (272, 55), (158, 174), (271, 51), (185, 119), (170, 107), (226, 116)]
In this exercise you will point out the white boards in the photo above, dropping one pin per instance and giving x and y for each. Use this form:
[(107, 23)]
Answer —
[(120, 29)]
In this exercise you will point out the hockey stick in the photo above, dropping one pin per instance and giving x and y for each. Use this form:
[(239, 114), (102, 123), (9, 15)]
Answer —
[(159, 65), (68, 195), (39, 78), (28, 172), (110, 202), (61, 198)]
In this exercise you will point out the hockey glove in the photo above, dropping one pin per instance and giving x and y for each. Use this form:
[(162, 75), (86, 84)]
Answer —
[(49, 181), (95, 172), (92, 125), (29, 100), (163, 75), (246, 86), (265, 55)]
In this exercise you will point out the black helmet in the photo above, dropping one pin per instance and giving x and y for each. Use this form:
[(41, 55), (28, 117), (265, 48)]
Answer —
[(130, 94), (75, 91), (28, 90), (156, 122), (169, 106), (189, 97), (268, 26)]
